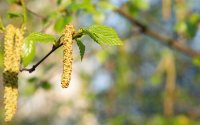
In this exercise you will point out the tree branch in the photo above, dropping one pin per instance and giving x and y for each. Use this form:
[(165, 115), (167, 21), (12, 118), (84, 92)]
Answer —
[(30, 70), (165, 40), (145, 29), (35, 14)]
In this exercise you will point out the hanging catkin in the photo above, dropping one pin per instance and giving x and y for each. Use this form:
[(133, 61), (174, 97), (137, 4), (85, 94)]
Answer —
[(12, 48), (67, 55)]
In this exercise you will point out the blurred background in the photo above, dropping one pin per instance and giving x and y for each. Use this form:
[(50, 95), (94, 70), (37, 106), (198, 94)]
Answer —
[(142, 82)]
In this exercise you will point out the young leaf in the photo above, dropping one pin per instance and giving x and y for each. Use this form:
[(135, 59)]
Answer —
[(84, 5), (28, 48), (59, 2), (32, 80), (103, 35), (13, 14), (81, 48), (40, 37), (46, 85), (11, 1), (28, 52)]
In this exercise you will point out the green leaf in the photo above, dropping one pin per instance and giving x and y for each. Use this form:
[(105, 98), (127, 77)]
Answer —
[(28, 48), (103, 35), (46, 85), (61, 22), (81, 48), (28, 52), (32, 80), (73, 7), (59, 2), (135, 6), (191, 29), (85, 5), (181, 26), (41, 37), (11, 1), (13, 14)]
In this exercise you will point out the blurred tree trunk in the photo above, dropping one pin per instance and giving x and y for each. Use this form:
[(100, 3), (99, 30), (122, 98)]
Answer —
[(166, 9), (167, 66), (170, 85)]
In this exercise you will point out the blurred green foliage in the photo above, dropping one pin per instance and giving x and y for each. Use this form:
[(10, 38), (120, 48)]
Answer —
[(111, 86)]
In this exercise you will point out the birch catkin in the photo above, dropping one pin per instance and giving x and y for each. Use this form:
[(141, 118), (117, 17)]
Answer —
[(67, 55), (8, 46), (13, 41)]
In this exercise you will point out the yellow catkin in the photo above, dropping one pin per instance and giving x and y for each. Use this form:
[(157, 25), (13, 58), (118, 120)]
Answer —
[(17, 49), (67, 55), (8, 46), (10, 94), (13, 41)]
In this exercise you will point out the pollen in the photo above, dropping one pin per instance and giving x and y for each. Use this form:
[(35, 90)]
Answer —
[(13, 41), (67, 55)]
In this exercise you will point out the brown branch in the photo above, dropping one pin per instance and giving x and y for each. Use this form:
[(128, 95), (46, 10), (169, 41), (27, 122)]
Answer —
[(165, 40), (30, 70)]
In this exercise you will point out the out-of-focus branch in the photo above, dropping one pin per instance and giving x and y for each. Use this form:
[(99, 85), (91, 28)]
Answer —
[(35, 14), (163, 39), (20, 3)]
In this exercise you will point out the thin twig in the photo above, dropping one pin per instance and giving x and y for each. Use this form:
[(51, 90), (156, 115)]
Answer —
[(20, 3), (168, 41), (165, 40), (145, 29), (35, 14), (30, 70)]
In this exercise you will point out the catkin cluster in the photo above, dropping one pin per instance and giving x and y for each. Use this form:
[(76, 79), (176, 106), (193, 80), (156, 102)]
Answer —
[(13, 41), (67, 55)]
